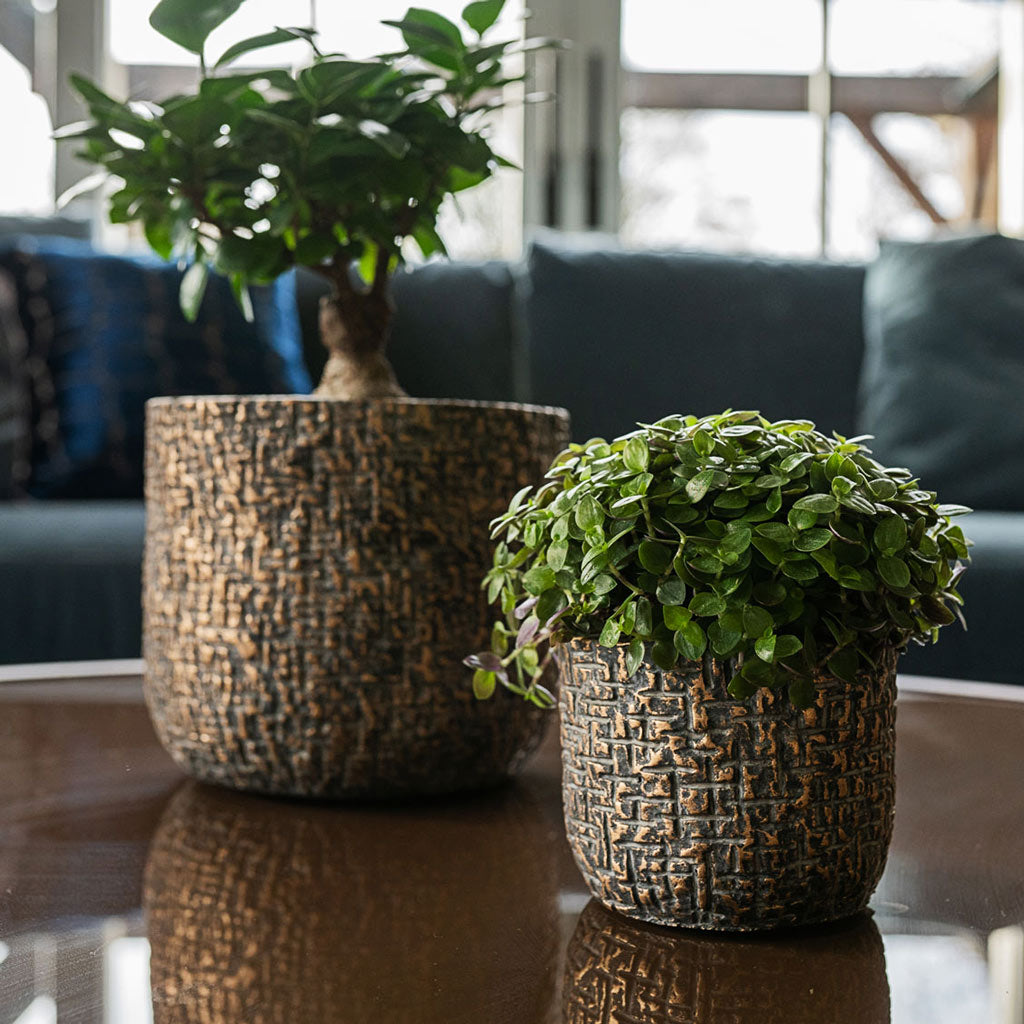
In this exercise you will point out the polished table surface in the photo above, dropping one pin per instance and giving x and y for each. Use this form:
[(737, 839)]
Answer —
[(129, 894)]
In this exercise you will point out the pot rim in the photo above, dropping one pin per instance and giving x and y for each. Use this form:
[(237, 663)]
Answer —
[(193, 401)]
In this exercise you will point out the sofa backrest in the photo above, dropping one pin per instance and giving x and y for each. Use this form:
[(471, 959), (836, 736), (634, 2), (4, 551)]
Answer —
[(621, 337)]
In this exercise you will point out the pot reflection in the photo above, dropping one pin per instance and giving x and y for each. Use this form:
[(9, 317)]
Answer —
[(263, 912), (623, 972)]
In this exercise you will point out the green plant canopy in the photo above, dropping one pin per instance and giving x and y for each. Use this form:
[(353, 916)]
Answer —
[(791, 553), (338, 161)]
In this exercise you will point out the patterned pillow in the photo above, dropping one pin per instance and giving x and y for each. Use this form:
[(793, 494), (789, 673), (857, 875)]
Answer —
[(14, 395), (105, 333)]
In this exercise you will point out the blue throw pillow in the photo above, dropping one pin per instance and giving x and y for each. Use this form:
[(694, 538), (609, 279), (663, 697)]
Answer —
[(14, 395), (944, 366), (106, 333)]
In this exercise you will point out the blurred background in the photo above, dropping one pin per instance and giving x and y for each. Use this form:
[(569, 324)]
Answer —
[(789, 127)]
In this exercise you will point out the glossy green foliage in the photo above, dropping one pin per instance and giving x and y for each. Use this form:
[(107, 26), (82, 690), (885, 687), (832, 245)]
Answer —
[(792, 553), (337, 162)]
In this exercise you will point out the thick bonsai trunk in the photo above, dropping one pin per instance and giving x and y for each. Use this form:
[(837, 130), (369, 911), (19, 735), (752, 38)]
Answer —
[(354, 329)]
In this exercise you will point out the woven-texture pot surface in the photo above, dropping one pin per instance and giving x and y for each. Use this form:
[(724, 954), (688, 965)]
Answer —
[(312, 583), (686, 807), (273, 912), (620, 971)]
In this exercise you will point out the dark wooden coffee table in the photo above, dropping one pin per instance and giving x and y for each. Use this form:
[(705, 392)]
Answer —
[(129, 894)]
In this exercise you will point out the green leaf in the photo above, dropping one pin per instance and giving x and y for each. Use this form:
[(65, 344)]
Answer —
[(610, 634), (758, 672), (550, 603), (890, 535), (189, 22), (698, 486), (671, 592), (819, 504), (589, 513), (690, 641), (801, 519), (801, 693), (634, 655), (707, 604), (193, 287), (644, 623), (663, 654), (786, 645), (764, 647), (894, 571), (636, 455), (844, 664), (483, 684), (741, 688), (723, 640), (480, 16), (539, 579), (703, 443), (557, 552), (756, 621), (811, 540), (278, 35), (432, 37), (654, 556), (160, 238), (676, 616)]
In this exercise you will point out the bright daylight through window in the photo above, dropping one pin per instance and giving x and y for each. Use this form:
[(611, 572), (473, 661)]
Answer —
[(722, 140)]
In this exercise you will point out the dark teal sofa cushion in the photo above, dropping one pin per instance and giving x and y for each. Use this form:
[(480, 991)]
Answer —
[(106, 333), (993, 590), (71, 578), (944, 366), (619, 337)]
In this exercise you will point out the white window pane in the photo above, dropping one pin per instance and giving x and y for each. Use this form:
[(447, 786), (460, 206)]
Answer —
[(721, 35), (132, 41), (874, 37), (26, 183), (355, 29), (867, 203), (721, 180)]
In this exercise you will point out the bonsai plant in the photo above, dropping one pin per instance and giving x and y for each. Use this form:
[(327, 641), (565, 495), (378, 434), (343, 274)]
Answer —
[(727, 598), (308, 560), (332, 165)]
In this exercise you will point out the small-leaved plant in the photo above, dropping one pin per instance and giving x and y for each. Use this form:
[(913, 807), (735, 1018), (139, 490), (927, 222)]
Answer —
[(790, 553)]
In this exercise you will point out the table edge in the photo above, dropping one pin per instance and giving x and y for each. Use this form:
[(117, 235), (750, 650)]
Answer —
[(132, 669)]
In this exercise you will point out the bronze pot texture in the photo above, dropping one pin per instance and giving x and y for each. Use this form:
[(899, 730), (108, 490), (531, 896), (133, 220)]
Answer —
[(275, 912), (621, 972), (686, 807), (312, 583)]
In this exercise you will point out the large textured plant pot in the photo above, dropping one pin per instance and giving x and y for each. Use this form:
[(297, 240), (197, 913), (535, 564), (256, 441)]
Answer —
[(312, 583), (686, 807), (272, 912), (621, 972)]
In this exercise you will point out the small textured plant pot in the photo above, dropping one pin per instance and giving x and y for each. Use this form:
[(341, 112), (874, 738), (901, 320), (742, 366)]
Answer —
[(618, 971), (686, 807), (272, 912), (311, 585)]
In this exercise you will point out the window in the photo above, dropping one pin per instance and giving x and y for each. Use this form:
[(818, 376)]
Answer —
[(803, 127)]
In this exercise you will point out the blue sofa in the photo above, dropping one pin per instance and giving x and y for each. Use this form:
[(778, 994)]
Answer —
[(615, 337)]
